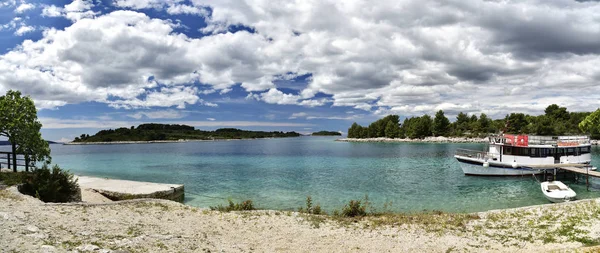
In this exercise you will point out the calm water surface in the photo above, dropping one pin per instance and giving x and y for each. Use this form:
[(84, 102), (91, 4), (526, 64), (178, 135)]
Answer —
[(280, 173)]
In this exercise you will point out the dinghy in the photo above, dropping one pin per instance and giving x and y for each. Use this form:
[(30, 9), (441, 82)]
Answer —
[(557, 192)]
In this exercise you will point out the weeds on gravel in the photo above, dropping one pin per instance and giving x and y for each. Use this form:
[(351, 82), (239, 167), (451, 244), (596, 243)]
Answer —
[(246, 205), (310, 209)]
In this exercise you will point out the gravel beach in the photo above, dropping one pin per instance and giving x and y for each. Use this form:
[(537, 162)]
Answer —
[(28, 225)]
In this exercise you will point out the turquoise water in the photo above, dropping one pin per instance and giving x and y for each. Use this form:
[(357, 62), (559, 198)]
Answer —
[(280, 173)]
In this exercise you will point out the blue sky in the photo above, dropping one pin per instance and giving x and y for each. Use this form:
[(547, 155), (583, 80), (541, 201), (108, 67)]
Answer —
[(294, 65)]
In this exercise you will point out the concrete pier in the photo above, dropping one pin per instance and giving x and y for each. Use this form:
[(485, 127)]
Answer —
[(115, 189)]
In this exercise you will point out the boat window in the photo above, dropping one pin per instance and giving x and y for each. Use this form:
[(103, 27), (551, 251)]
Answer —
[(585, 150), (570, 151), (534, 152), (508, 150)]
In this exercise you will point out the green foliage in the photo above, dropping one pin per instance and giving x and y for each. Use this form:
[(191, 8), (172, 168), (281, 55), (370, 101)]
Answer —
[(310, 208), (591, 124), (417, 127), (391, 130), (19, 123), (52, 185), (354, 208), (387, 126), (326, 133), (441, 124), (556, 121), (246, 205), (14, 178), (153, 132)]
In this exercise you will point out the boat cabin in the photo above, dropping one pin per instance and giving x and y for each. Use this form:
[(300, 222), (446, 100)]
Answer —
[(528, 149)]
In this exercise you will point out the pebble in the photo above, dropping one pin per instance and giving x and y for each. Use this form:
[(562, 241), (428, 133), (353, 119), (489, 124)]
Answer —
[(47, 248), (32, 228)]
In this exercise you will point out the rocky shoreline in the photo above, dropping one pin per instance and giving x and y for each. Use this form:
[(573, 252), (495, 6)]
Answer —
[(439, 139)]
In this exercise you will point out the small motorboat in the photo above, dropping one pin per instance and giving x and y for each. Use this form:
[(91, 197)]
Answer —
[(557, 192)]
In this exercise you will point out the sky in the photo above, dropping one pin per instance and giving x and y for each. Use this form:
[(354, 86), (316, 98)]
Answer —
[(288, 65)]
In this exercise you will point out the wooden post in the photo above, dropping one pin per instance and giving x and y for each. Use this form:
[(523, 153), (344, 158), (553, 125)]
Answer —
[(26, 163), (587, 178), (8, 160)]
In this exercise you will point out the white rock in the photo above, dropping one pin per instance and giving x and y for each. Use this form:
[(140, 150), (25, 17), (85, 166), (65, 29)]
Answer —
[(32, 228), (47, 248), (88, 247)]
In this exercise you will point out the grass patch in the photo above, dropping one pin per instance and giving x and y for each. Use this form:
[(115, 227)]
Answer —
[(246, 205), (15, 178)]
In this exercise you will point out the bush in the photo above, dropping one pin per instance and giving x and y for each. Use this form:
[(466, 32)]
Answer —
[(354, 208), (244, 206), (52, 185), (310, 208)]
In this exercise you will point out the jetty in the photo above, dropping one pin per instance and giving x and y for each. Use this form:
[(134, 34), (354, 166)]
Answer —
[(116, 189)]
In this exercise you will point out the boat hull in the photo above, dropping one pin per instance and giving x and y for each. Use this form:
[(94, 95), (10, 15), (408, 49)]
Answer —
[(475, 168), (565, 194)]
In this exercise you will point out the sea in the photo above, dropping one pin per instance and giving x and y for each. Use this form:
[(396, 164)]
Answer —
[(280, 173)]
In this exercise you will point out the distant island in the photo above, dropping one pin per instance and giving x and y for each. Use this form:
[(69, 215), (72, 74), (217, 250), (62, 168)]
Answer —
[(167, 132), (326, 133)]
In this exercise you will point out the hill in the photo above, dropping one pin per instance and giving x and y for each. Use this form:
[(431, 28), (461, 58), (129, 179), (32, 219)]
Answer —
[(160, 132)]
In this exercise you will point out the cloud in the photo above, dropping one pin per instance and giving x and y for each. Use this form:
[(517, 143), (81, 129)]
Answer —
[(24, 29), (159, 114), (402, 57), (298, 115), (23, 7), (55, 123), (211, 119), (310, 117)]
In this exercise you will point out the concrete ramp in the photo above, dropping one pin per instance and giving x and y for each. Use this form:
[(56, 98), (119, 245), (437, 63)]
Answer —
[(116, 189)]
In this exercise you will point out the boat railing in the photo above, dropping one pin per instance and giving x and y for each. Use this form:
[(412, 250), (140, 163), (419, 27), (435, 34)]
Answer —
[(543, 140), (473, 154)]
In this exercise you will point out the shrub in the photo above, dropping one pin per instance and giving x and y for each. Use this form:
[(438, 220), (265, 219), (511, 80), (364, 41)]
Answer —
[(244, 206), (52, 185), (310, 208), (354, 208)]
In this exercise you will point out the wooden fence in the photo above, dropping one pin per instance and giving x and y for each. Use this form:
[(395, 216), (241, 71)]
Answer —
[(6, 161)]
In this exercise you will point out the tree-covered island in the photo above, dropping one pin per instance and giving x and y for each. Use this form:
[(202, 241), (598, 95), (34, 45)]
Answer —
[(326, 133), (167, 132), (556, 120)]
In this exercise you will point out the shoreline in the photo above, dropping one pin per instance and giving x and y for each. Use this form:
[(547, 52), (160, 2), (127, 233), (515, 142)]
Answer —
[(439, 139), (166, 226), (430, 139), (166, 141)]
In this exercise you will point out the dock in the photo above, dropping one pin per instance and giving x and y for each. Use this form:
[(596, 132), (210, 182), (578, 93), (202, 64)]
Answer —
[(582, 171), (116, 189)]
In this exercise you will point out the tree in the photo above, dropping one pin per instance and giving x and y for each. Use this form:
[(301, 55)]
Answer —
[(391, 130), (19, 123), (462, 122), (353, 131), (543, 126), (483, 124), (516, 122), (556, 112), (441, 124), (591, 124)]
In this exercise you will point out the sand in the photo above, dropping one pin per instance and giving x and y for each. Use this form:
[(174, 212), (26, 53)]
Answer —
[(28, 225)]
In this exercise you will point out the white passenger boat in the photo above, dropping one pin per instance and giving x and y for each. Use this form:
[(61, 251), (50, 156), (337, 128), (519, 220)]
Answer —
[(515, 155), (557, 192)]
